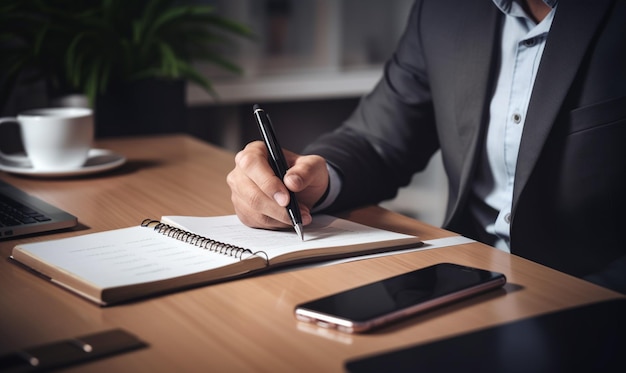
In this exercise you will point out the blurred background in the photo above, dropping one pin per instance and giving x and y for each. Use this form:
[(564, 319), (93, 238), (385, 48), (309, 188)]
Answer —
[(307, 62)]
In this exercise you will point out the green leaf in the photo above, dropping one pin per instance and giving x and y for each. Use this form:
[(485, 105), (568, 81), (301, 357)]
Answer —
[(73, 59), (168, 60), (194, 76), (88, 44), (40, 37)]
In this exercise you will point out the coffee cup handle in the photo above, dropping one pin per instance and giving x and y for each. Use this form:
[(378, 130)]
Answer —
[(13, 159)]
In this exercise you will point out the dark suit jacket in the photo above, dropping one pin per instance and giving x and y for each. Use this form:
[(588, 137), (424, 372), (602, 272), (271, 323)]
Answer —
[(569, 202)]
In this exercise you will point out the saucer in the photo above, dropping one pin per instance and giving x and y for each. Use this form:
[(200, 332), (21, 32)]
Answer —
[(99, 160)]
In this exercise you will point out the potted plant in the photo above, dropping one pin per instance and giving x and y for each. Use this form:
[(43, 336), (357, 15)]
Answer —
[(108, 49)]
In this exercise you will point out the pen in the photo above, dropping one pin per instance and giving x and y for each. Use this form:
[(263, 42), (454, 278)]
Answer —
[(279, 164)]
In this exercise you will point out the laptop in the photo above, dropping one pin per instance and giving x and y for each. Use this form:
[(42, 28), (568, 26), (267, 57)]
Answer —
[(21, 214)]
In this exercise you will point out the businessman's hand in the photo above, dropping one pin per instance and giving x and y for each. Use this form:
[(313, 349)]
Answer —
[(260, 198)]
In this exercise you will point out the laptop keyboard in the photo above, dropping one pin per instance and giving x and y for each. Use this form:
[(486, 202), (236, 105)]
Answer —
[(14, 213)]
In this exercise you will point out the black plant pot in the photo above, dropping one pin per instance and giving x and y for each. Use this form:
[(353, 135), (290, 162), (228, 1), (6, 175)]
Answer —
[(148, 106)]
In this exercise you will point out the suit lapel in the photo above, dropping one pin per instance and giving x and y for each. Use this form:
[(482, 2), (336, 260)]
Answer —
[(570, 35), (473, 79), (474, 66)]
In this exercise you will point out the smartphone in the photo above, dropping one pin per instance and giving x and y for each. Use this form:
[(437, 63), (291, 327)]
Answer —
[(376, 304)]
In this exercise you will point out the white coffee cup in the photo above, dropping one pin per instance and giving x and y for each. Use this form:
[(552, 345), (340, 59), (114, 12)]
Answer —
[(55, 139)]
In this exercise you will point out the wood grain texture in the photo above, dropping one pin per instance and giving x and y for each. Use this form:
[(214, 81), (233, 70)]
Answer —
[(246, 325)]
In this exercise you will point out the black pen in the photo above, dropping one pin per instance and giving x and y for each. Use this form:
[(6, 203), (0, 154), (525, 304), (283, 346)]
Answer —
[(279, 165)]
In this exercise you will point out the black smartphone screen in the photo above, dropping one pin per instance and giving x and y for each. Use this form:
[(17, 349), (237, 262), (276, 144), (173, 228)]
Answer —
[(401, 292)]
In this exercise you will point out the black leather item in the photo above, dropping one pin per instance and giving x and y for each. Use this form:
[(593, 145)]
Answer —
[(589, 338)]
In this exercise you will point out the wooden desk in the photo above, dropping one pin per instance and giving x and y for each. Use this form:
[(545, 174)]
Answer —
[(247, 324)]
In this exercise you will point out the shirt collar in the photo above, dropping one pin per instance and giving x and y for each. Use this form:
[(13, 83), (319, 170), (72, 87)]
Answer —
[(514, 8)]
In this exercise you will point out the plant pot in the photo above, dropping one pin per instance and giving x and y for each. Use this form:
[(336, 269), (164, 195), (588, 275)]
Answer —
[(149, 106)]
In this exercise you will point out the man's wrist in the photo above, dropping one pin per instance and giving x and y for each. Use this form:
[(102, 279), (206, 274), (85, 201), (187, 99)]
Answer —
[(332, 191)]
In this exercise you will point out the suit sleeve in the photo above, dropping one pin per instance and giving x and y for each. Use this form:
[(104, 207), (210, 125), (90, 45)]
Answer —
[(391, 135)]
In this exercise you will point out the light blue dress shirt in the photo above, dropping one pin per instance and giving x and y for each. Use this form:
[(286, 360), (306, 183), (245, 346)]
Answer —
[(523, 41)]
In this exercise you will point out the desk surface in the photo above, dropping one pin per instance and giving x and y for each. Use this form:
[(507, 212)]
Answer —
[(246, 324)]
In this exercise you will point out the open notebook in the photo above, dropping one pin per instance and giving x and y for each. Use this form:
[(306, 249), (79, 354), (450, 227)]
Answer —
[(178, 252)]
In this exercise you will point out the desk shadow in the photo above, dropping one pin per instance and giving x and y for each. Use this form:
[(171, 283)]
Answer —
[(77, 228), (138, 164), (127, 168), (326, 333), (51, 233)]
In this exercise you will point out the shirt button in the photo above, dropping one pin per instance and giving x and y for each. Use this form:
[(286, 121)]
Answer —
[(529, 42), (516, 118), (507, 218)]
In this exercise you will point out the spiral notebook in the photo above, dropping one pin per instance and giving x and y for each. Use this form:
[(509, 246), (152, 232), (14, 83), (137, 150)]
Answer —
[(181, 251)]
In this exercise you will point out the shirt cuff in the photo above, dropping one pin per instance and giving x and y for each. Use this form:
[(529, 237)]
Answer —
[(334, 187)]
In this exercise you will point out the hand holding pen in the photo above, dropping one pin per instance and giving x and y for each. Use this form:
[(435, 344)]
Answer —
[(279, 165), (260, 198)]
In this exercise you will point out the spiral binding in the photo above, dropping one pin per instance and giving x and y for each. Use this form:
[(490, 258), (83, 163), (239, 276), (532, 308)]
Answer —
[(196, 240)]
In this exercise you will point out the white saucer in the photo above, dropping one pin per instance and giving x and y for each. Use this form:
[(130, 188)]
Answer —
[(99, 160)]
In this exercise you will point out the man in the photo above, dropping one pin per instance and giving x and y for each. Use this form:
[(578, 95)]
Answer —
[(526, 100)]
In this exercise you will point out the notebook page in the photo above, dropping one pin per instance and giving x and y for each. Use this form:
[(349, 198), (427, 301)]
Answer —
[(325, 231), (125, 256)]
